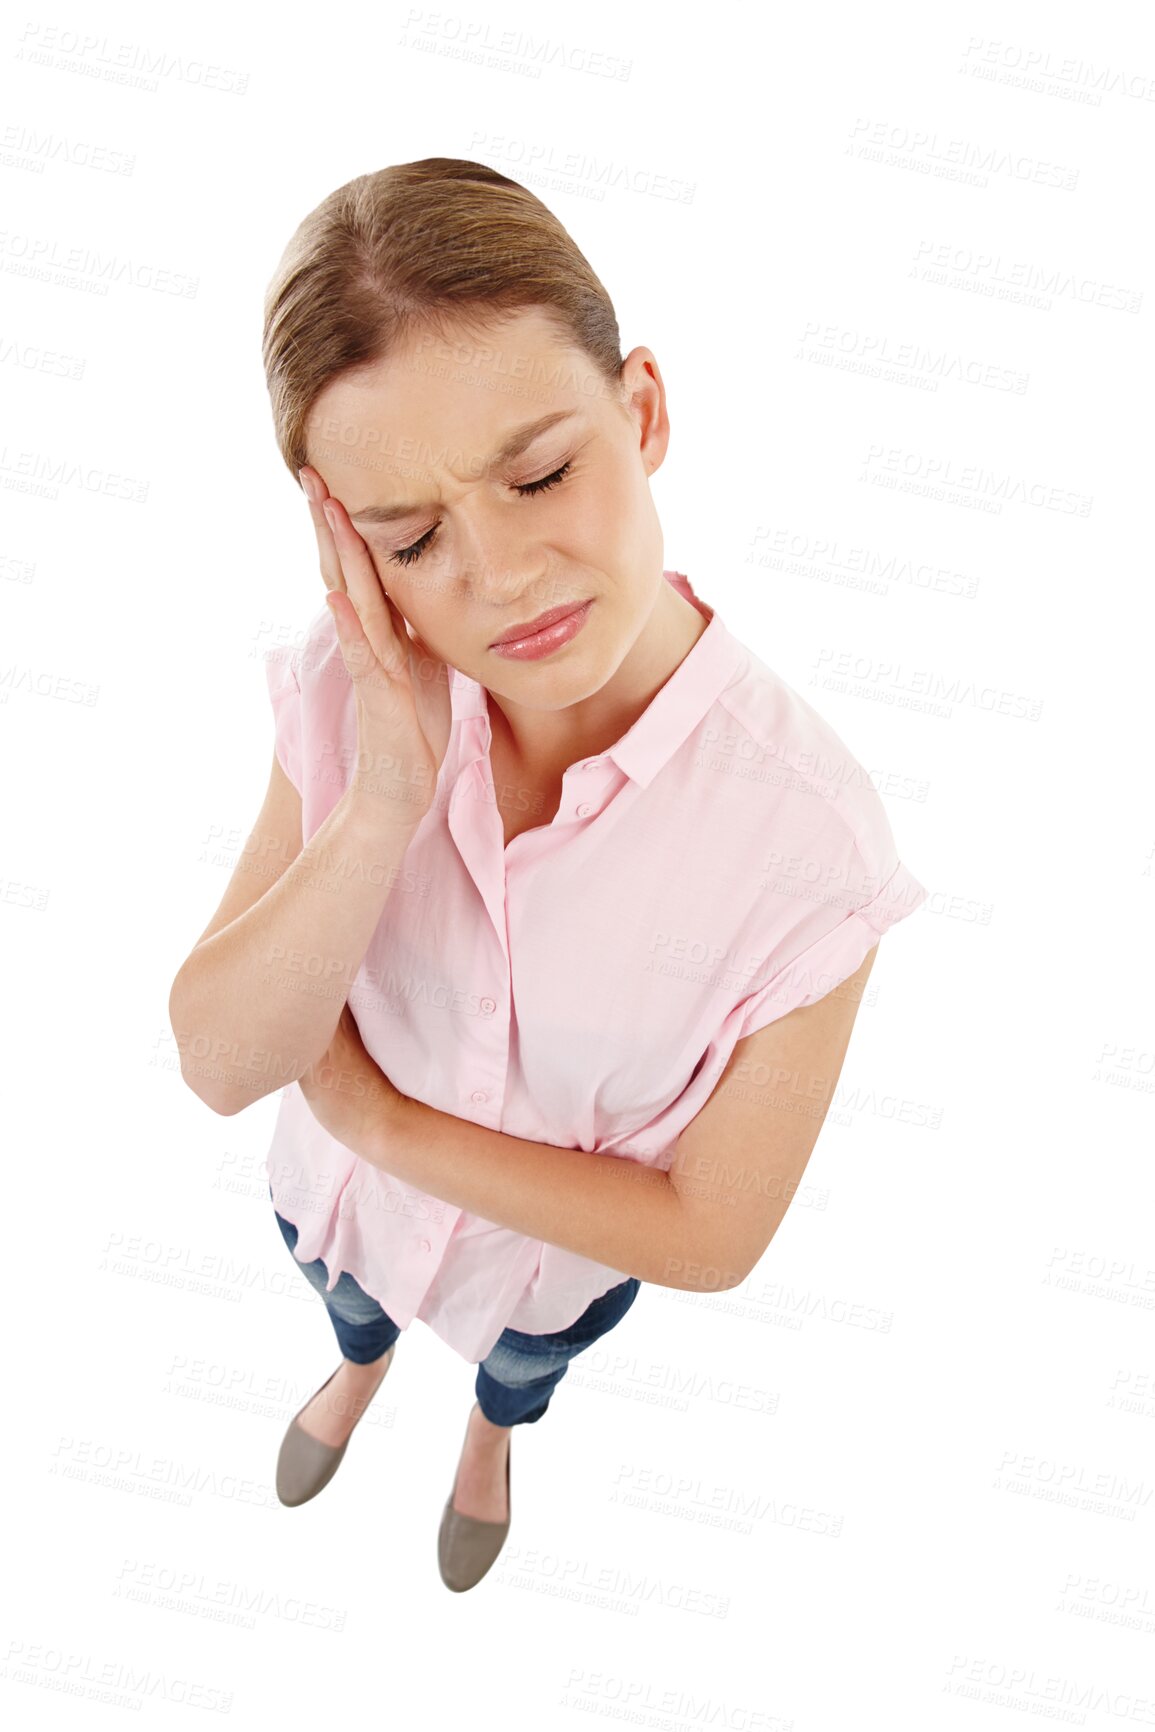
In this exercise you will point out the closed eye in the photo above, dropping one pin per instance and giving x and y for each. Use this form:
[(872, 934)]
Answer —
[(408, 555)]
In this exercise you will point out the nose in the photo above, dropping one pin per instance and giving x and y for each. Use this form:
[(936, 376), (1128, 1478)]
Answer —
[(493, 551), (500, 568)]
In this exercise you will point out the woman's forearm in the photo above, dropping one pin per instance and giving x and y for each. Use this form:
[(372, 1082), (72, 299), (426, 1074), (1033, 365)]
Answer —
[(253, 1005), (613, 1210), (605, 1207)]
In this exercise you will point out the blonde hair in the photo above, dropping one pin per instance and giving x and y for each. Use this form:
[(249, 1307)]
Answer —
[(419, 247)]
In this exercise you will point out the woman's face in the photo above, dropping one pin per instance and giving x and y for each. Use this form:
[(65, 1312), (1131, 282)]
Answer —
[(463, 539)]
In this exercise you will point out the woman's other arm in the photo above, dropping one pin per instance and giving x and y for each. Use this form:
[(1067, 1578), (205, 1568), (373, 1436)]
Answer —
[(701, 1226)]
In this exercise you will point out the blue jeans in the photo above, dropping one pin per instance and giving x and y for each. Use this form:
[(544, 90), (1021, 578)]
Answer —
[(516, 1378)]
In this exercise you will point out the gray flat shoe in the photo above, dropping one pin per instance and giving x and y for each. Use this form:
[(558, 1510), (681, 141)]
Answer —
[(466, 1547), (305, 1465)]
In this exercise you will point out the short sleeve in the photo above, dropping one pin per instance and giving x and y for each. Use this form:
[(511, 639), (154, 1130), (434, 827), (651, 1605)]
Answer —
[(862, 890), (285, 696)]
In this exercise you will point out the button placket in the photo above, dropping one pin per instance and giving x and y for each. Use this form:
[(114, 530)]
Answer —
[(585, 807)]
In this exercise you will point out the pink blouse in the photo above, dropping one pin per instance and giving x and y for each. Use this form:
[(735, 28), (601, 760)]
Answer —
[(726, 861)]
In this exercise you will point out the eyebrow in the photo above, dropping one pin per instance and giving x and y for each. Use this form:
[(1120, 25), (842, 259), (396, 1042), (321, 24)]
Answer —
[(513, 447)]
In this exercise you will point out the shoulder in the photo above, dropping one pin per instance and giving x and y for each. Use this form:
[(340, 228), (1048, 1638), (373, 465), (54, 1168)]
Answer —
[(319, 648), (800, 781), (289, 667)]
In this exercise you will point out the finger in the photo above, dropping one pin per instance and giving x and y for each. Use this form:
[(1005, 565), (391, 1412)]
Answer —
[(331, 573), (354, 645), (363, 588), (363, 660)]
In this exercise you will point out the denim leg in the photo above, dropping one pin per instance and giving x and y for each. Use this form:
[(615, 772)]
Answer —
[(364, 1331), (517, 1378)]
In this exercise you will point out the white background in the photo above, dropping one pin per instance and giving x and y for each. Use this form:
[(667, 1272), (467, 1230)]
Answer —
[(904, 1476)]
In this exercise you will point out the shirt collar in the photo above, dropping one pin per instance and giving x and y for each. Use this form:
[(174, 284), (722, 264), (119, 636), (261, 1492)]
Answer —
[(713, 661)]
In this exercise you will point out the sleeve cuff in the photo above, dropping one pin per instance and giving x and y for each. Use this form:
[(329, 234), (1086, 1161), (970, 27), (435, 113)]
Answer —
[(835, 956)]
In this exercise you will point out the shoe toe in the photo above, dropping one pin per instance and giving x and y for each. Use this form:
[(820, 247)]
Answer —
[(467, 1548), (305, 1466)]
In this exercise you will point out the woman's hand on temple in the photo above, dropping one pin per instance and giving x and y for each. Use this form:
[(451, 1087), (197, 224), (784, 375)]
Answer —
[(401, 689)]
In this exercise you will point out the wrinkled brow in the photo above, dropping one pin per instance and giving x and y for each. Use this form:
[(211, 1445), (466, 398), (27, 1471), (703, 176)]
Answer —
[(519, 439)]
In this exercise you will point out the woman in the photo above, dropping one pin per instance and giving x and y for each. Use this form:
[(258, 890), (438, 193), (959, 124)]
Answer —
[(555, 881)]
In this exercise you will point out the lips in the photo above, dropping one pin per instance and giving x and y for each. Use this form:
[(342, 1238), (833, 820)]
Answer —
[(528, 629), (548, 640)]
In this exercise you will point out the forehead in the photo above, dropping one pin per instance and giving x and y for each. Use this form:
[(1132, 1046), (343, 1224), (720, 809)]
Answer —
[(443, 404)]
